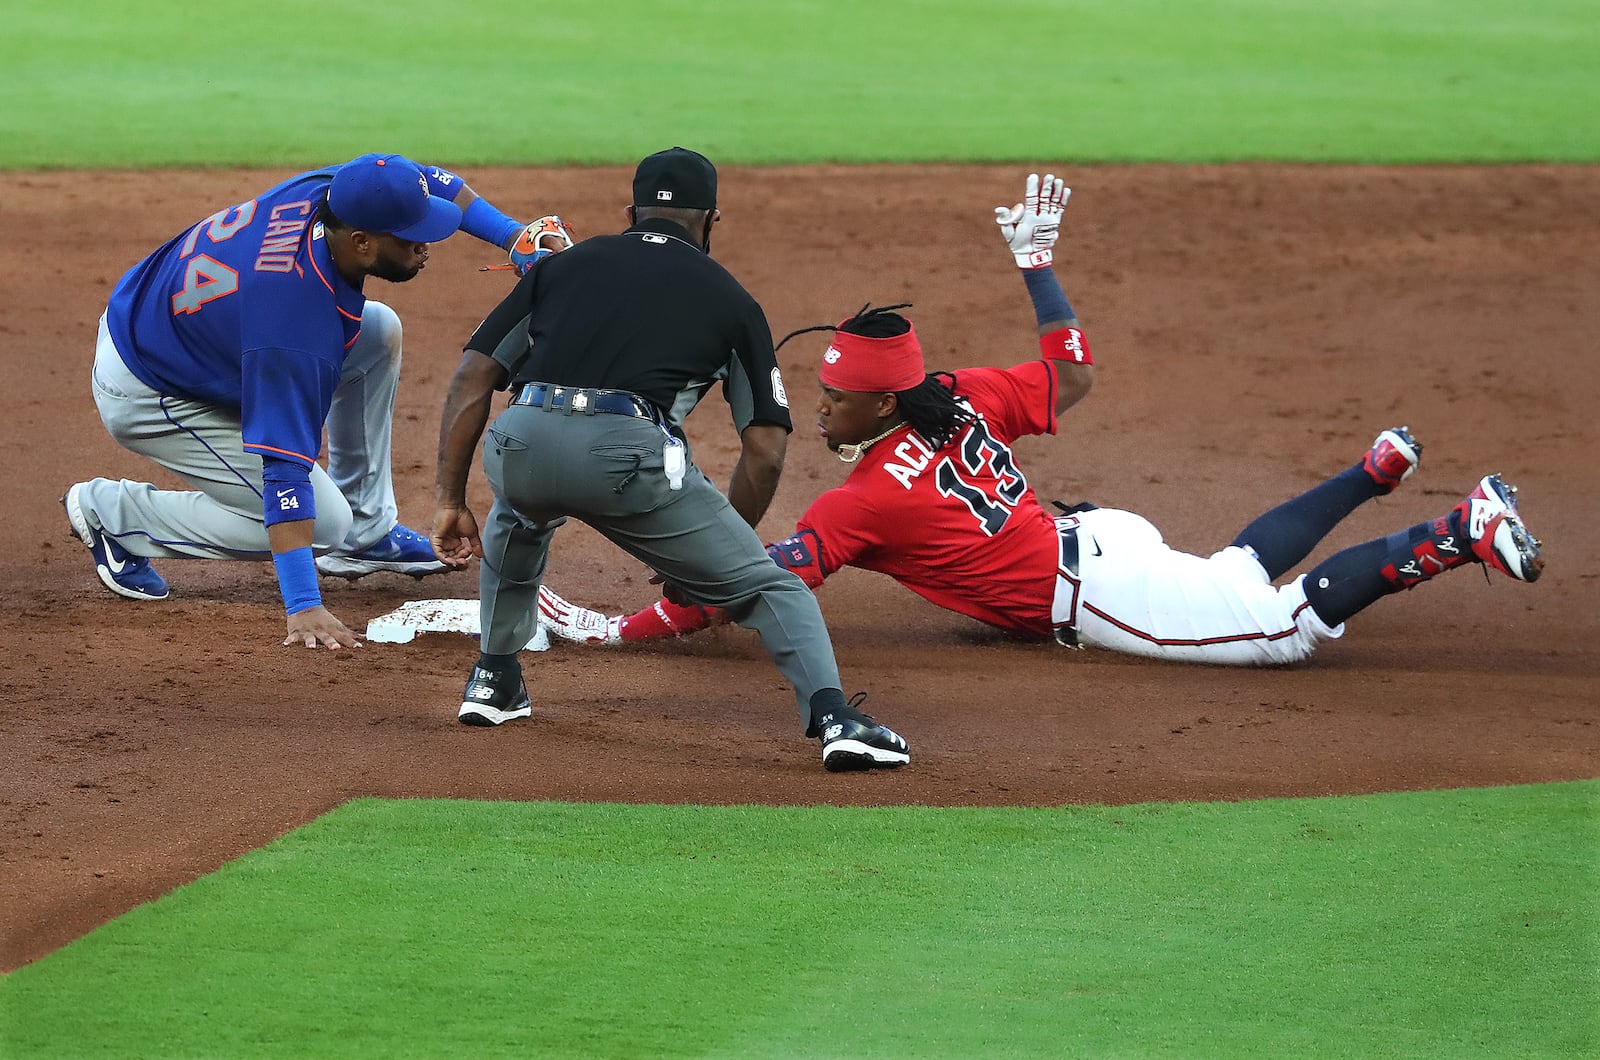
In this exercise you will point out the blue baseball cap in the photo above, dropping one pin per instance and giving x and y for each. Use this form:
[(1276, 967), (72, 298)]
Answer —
[(389, 193)]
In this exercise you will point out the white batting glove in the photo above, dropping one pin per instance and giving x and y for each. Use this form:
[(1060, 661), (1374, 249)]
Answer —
[(1031, 227), (577, 624)]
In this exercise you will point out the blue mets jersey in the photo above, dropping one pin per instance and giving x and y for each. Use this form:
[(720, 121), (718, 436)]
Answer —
[(245, 311)]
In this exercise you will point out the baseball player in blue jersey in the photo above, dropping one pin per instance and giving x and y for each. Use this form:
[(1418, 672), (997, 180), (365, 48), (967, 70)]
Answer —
[(223, 355)]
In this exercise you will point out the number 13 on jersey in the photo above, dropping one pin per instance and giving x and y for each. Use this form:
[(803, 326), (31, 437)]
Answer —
[(983, 457)]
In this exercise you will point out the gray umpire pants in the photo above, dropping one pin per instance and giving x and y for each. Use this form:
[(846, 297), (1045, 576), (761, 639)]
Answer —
[(606, 470), (221, 518)]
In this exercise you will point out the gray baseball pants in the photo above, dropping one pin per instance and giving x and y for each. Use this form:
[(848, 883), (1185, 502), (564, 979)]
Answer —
[(607, 471), (221, 518)]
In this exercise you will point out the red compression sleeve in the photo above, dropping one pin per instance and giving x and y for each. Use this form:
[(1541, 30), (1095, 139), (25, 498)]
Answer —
[(1066, 344), (666, 619)]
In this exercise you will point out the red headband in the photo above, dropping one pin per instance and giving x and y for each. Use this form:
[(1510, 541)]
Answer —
[(869, 366)]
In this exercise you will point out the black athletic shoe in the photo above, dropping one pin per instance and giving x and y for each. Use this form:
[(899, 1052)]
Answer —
[(848, 744), (494, 697)]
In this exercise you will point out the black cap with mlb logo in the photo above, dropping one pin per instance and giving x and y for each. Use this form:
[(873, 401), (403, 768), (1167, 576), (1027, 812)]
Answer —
[(676, 177)]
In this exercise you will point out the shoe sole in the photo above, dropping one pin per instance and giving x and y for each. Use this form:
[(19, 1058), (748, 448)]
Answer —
[(1522, 544), (350, 569), (479, 715), (848, 756), (86, 535)]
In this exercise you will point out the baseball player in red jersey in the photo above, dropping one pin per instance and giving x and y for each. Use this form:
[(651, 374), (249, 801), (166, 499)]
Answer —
[(936, 501)]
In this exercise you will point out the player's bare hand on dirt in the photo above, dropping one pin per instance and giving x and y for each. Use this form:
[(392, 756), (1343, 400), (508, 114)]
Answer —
[(455, 537), (1031, 227), (578, 624), (316, 627)]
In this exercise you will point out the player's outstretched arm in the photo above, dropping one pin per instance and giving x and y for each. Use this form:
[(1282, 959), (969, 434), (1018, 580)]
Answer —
[(525, 245), (1031, 229), (664, 618)]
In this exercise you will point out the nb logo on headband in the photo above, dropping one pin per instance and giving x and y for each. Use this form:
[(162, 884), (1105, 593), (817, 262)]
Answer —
[(832, 356)]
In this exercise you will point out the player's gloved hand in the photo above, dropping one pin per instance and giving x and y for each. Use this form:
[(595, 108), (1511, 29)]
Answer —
[(1031, 226), (548, 235), (577, 624)]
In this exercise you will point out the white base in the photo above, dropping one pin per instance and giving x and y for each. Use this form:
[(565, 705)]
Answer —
[(402, 625)]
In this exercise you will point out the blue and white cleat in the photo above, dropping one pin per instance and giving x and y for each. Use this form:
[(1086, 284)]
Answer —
[(124, 574), (401, 551)]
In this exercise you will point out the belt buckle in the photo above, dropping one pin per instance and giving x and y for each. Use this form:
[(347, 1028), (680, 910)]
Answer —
[(580, 401)]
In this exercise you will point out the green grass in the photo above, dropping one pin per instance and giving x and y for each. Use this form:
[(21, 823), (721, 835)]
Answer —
[(1446, 924), (500, 81)]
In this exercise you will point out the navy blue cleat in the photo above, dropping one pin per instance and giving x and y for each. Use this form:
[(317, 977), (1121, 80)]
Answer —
[(124, 574), (848, 744)]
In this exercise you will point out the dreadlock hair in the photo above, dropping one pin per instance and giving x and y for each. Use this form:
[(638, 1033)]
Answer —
[(932, 410), (930, 406)]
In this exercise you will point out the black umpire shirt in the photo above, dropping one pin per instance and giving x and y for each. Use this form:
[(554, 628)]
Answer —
[(645, 311)]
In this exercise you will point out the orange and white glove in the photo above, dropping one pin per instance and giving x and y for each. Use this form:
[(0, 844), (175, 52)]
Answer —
[(577, 624), (548, 235), (1031, 227)]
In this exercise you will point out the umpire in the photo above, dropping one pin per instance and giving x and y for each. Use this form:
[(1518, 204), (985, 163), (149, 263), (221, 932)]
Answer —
[(606, 348)]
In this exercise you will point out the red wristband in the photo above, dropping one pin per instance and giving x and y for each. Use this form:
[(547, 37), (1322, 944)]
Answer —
[(1066, 344)]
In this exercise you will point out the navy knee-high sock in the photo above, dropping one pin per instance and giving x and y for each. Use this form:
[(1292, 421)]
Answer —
[(1348, 581), (1286, 535)]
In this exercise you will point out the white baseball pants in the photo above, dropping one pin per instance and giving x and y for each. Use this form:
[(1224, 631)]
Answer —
[(1135, 594)]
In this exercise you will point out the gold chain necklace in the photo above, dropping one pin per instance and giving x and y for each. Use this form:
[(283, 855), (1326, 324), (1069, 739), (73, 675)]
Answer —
[(851, 453)]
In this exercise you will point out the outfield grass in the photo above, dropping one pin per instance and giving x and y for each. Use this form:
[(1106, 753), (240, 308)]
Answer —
[(295, 82), (1449, 924)]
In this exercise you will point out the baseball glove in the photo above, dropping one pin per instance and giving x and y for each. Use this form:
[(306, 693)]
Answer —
[(548, 235)]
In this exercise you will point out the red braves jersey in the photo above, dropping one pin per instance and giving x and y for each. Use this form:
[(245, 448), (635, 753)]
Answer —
[(959, 525)]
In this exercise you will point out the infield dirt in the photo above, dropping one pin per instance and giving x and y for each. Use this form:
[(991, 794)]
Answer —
[(1255, 326)]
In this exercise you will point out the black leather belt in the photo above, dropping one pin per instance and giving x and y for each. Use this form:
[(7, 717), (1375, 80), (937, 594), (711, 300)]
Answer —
[(587, 400)]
